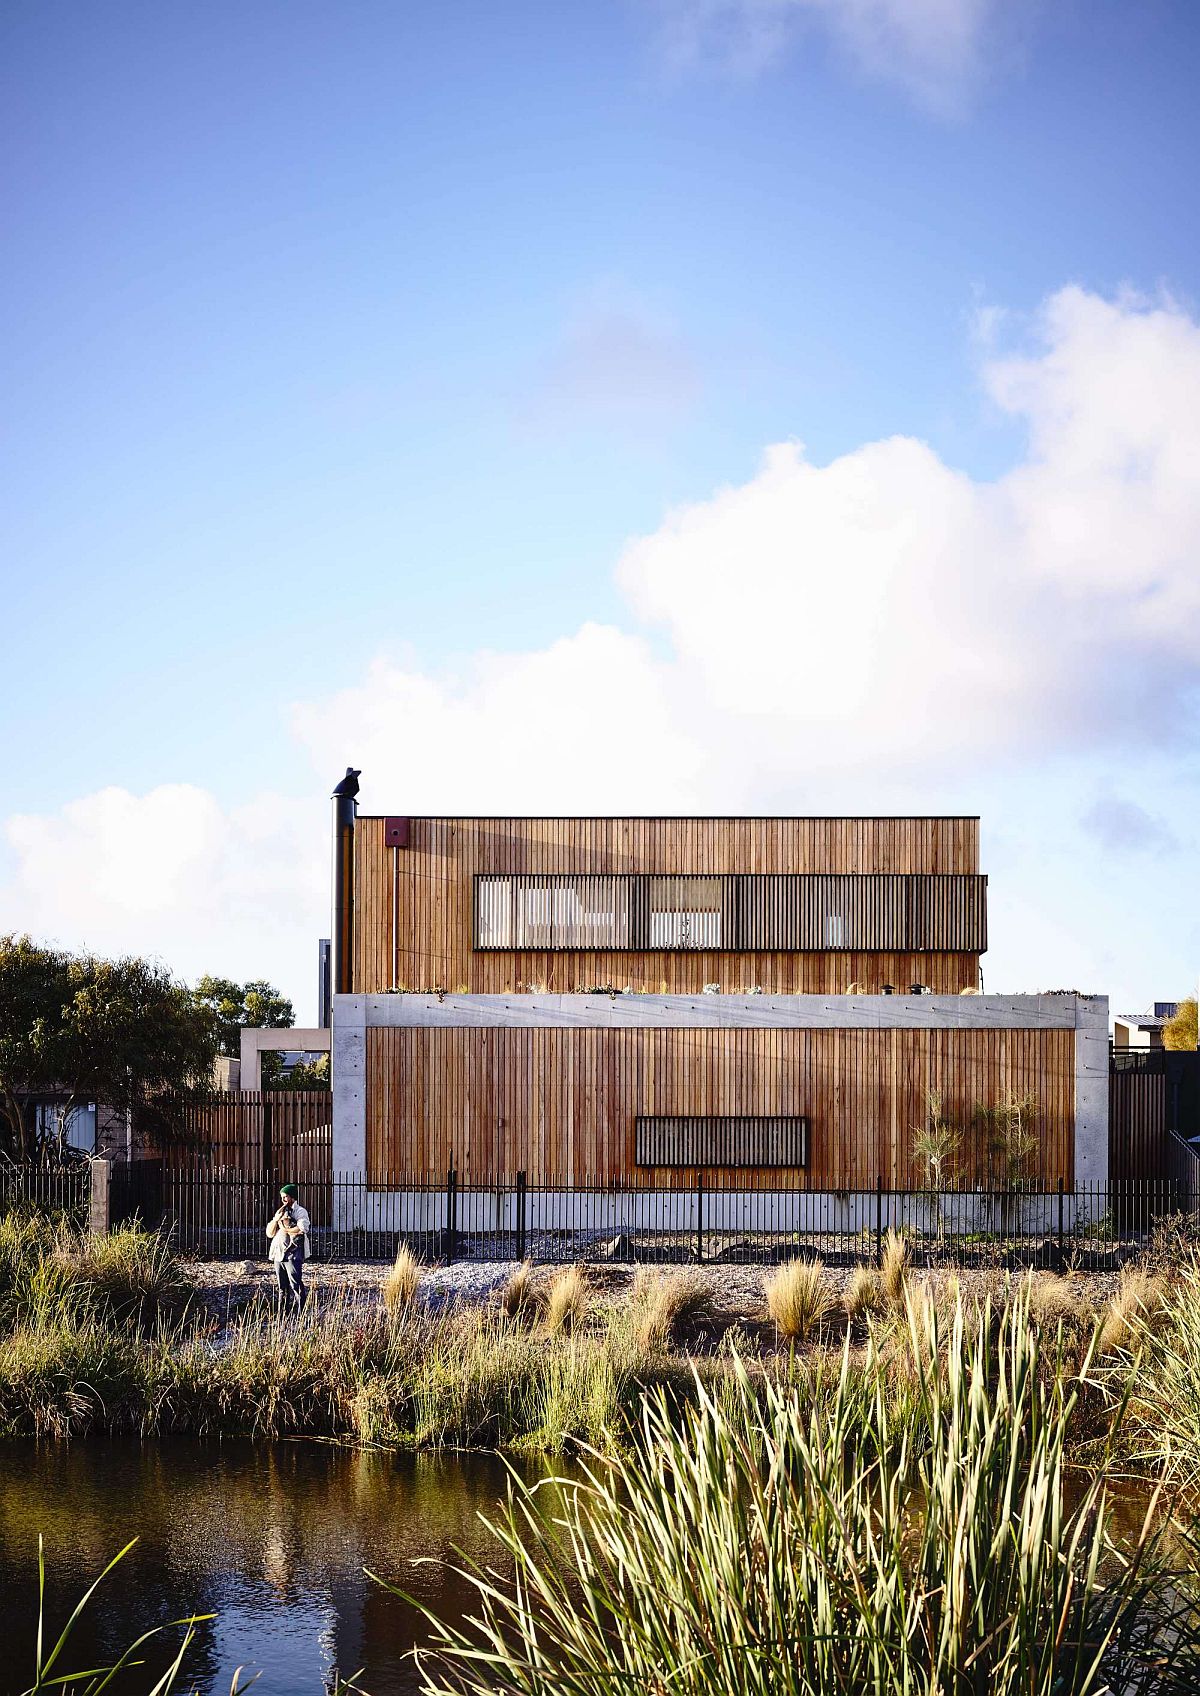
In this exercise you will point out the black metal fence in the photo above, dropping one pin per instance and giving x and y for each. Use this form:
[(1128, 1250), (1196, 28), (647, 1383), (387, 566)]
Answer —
[(57, 1190), (448, 1218)]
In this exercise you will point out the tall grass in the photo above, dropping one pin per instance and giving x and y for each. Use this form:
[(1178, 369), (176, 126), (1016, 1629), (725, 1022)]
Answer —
[(1165, 1391), (761, 1544), (98, 1337)]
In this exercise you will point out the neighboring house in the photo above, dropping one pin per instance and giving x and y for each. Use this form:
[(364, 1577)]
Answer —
[(656, 1001), (1143, 1030), (90, 1128)]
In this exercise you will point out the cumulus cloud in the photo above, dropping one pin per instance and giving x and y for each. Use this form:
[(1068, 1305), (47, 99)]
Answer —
[(822, 635), (934, 49), (881, 633)]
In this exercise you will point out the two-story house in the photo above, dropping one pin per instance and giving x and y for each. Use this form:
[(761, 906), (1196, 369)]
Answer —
[(642, 1001)]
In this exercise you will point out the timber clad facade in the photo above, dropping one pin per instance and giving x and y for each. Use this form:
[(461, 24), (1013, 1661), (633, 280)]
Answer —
[(574, 1105), (667, 906), (526, 996)]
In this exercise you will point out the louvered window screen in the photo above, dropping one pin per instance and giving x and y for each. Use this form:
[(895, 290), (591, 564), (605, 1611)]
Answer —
[(729, 1142), (736, 912)]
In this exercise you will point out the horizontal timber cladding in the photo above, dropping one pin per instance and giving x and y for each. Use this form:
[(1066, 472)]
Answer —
[(735, 1141), (561, 1103), (733, 912), (414, 906)]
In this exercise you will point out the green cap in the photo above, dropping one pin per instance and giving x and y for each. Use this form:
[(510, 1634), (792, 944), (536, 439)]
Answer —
[(288, 1189)]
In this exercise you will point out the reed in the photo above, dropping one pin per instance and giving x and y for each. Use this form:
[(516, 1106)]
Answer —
[(751, 1545), (1165, 1388)]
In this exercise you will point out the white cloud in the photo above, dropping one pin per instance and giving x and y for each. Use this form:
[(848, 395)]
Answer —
[(174, 874), (825, 632), (935, 49), (879, 633)]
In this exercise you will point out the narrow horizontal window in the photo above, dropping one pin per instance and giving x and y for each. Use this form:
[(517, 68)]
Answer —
[(733, 912), (736, 1141)]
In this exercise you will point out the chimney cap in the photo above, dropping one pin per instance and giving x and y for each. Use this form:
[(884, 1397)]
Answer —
[(349, 784)]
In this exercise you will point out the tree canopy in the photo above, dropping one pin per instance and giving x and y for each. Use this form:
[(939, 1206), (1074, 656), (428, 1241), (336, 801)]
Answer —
[(305, 1074), (1180, 1032), (75, 1027), (233, 1006)]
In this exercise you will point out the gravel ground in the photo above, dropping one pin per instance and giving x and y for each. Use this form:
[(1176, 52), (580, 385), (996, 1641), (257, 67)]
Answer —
[(735, 1291)]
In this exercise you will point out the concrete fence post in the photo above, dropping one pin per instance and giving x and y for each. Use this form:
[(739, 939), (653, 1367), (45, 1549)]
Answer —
[(99, 1212)]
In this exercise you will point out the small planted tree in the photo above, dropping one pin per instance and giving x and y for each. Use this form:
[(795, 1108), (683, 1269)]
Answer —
[(1011, 1127), (937, 1146)]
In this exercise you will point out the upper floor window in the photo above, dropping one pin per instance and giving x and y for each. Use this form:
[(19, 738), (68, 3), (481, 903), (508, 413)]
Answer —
[(553, 912), (684, 912), (733, 912)]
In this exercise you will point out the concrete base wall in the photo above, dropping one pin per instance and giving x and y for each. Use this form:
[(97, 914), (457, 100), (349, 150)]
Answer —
[(1086, 1015), (722, 1212)]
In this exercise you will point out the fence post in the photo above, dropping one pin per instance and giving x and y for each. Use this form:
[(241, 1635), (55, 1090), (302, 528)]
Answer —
[(699, 1218), (1062, 1256), (879, 1219), (521, 1183), (451, 1214), (100, 1209)]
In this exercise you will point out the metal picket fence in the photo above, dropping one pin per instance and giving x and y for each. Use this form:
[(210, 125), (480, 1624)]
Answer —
[(61, 1191), (450, 1217)]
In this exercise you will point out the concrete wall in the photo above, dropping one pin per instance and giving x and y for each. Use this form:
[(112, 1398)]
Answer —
[(1086, 1016)]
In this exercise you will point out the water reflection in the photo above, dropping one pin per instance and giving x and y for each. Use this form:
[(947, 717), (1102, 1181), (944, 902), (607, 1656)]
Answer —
[(273, 1539)]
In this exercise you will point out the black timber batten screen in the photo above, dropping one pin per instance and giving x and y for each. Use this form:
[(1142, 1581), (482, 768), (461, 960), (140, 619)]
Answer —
[(738, 912), (732, 1141)]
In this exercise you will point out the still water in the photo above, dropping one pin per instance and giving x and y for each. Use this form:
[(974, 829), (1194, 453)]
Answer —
[(273, 1539)]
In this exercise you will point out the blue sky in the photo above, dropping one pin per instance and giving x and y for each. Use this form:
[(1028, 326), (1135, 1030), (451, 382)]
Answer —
[(359, 358)]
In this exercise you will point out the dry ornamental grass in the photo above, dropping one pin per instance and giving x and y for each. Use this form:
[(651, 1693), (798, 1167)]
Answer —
[(798, 1297), (566, 1300), (663, 1304), (402, 1282)]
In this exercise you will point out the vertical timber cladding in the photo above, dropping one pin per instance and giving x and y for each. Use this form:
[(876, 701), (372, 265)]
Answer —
[(414, 917), (561, 1103)]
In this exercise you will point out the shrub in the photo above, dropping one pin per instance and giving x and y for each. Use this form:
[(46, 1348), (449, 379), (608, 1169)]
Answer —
[(864, 1293), (1136, 1299)]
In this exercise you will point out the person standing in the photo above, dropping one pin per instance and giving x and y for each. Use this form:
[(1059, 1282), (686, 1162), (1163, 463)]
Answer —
[(288, 1230)]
